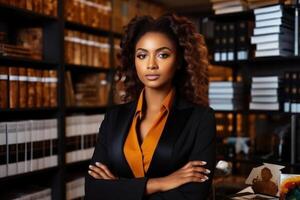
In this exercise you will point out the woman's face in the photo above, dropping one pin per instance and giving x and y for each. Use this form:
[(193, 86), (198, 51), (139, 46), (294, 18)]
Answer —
[(155, 60)]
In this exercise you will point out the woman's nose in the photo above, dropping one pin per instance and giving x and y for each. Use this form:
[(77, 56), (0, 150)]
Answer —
[(152, 63)]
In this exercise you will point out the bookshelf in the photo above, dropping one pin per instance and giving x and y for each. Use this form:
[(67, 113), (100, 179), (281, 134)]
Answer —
[(260, 66)]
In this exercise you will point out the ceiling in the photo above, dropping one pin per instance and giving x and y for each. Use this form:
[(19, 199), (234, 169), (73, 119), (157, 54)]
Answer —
[(187, 6)]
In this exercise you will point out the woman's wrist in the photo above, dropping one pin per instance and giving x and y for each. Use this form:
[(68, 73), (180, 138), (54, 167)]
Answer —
[(154, 185)]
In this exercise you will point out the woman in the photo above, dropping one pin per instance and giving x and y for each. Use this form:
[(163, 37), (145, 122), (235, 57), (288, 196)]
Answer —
[(160, 145)]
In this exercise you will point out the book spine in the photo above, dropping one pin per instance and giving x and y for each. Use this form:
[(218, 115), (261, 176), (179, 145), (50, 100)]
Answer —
[(3, 87), (32, 82), (13, 87), (39, 88), (23, 87), (53, 87), (46, 89)]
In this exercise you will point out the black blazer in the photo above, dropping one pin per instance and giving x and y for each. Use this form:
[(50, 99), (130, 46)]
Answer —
[(189, 134)]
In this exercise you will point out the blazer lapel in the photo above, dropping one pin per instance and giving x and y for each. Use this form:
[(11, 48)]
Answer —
[(120, 129), (161, 160)]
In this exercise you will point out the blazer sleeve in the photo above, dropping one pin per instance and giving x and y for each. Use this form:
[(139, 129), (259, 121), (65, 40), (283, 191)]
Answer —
[(204, 149), (123, 188)]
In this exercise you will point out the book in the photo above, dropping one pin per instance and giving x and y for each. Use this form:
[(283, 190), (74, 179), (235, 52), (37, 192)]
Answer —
[(270, 38), (264, 79), (32, 81), (266, 85), (264, 106), (274, 45), (264, 92), (3, 87), (3, 150), (273, 52), (13, 87), (264, 99), (272, 29), (268, 9), (23, 87), (52, 79)]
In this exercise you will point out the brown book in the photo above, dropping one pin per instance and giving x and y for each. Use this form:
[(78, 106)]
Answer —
[(46, 89), (13, 87), (53, 87), (37, 6), (3, 87), (96, 52), (106, 53), (50, 7), (77, 48), (23, 87), (70, 98), (83, 48), (21, 4), (39, 88), (68, 47), (32, 80), (29, 5), (68, 10), (90, 48)]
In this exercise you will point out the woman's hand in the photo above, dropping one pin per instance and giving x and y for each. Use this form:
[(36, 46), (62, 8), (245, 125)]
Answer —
[(193, 171), (100, 171)]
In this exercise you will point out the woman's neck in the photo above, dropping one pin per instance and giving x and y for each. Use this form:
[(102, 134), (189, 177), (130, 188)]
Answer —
[(154, 98)]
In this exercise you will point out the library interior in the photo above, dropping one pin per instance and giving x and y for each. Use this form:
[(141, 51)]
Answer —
[(59, 76)]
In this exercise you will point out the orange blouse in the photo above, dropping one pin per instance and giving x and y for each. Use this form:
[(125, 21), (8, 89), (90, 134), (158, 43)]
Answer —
[(139, 156)]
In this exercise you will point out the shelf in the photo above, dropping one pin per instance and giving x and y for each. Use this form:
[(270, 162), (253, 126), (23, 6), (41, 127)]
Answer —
[(258, 160), (262, 60), (80, 27), (10, 13), (266, 112), (35, 174), (27, 113), (78, 165), (86, 109), (248, 14), (85, 68), (23, 62)]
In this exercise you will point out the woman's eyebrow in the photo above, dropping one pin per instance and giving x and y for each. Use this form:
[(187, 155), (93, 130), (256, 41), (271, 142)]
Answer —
[(159, 49)]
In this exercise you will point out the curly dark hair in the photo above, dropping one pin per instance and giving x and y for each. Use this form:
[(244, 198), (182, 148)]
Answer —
[(191, 79)]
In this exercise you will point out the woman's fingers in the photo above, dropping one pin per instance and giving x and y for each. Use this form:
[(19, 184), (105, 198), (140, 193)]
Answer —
[(95, 175), (99, 171), (194, 163), (106, 170)]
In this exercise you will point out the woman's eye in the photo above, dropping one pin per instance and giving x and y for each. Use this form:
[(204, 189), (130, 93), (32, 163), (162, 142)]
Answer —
[(163, 55), (141, 56)]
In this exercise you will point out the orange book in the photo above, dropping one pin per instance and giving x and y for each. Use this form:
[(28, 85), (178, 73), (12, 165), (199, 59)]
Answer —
[(23, 87), (13, 87), (3, 87), (32, 80), (53, 87), (39, 88), (46, 89)]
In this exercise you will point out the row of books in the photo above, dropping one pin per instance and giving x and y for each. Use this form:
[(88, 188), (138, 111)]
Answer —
[(225, 95), (291, 91), (46, 7), (83, 124), (27, 88), (232, 6), (86, 49), (28, 44), (273, 32), (93, 13), (31, 192), (232, 41), (27, 146), (265, 93), (125, 10), (86, 89), (75, 189)]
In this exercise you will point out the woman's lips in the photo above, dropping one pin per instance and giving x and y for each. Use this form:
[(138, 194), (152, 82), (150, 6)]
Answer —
[(152, 77)]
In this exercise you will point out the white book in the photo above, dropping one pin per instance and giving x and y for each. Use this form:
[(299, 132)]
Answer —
[(263, 79), (268, 85), (225, 4), (264, 92), (270, 38), (12, 150), (223, 101), (271, 29), (222, 90), (27, 145), (273, 52), (3, 142), (224, 107), (232, 9), (21, 131), (264, 106), (267, 9), (271, 15), (274, 45), (222, 96), (265, 99), (271, 22), (222, 84)]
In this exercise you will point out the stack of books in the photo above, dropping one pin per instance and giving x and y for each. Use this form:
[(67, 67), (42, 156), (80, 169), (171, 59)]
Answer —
[(228, 6), (75, 188), (291, 85), (225, 95), (261, 3), (273, 32), (81, 133), (265, 93)]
